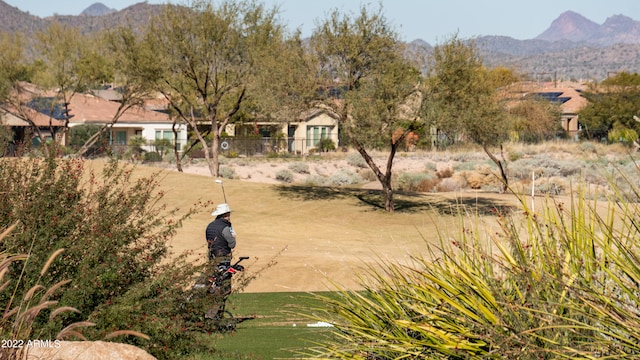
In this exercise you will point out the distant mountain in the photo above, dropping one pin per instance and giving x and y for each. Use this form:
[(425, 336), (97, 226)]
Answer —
[(570, 26), (572, 48), (576, 28), (13, 19), (97, 9)]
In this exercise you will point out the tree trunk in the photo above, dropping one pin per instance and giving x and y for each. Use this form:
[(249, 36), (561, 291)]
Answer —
[(389, 205), (501, 166), (384, 179)]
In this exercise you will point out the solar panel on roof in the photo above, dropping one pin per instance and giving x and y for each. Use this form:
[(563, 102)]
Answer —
[(46, 106)]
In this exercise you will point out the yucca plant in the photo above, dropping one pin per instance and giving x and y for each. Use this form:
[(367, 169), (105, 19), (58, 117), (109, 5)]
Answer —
[(558, 283)]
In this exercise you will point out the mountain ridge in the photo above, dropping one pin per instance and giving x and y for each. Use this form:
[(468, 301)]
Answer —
[(572, 48), (97, 9)]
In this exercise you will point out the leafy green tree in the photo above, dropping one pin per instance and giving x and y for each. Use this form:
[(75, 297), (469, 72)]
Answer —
[(211, 56), (14, 70), (461, 101), (72, 63), (369, 85), (80, 135), (135, 71), (115, 234), (612, 103)]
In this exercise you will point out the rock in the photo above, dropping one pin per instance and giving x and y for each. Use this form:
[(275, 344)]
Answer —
[(85, 350)]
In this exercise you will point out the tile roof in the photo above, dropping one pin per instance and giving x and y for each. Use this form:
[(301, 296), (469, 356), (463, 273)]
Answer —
[(567, 94), (13, 117), (87, 109)]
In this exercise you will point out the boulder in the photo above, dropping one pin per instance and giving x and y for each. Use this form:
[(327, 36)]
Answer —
[(84, 350)]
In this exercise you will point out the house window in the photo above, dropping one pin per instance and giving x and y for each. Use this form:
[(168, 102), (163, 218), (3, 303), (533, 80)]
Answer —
[(316, 133), (120, 138), (168, 135)]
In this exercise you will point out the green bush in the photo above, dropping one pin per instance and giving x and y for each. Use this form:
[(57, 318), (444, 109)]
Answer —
[(327, 145), (152, 156), (559, 282), (20, 315), (78, 136), (115, 235)]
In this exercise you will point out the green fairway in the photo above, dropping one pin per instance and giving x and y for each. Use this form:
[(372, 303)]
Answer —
[(272, 334)]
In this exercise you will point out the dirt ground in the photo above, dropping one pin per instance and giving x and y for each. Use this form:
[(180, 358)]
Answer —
[(302, 238)]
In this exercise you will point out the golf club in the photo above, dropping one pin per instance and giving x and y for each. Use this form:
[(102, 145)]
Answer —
[(223, 193)]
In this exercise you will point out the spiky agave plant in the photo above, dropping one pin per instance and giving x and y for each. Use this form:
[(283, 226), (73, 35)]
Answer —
[(610, 299), (561, 282)]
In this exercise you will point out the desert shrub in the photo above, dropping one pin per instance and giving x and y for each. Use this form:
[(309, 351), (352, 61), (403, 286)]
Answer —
[(430, 166), (412, 181), (158, 309), (170, 158), (344, 177), (515, 155), (543, 165), (588, 146), (315, 180), (356, 160), (367, 174), (428, 185), (445, 172), (451, 184), (468, 166), (550, 186), (559, 282), (114, 231), (242, 162), (299, 167), (284, 175), (152, 156), (227, 172)]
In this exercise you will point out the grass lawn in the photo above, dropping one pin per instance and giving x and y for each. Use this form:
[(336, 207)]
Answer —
[(272, 334)]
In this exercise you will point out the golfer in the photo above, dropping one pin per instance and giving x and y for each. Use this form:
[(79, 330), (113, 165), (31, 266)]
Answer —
[(221, 238)]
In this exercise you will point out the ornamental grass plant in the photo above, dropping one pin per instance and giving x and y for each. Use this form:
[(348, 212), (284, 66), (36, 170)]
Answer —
[(18, 332), (558, 279)]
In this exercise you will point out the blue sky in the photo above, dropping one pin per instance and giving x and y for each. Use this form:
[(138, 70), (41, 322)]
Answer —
[(431, 20)]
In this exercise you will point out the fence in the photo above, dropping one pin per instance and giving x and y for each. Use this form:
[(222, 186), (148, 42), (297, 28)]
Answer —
[(233, 146), (257, 146)]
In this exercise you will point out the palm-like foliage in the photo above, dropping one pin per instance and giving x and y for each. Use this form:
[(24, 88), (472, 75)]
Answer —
[(561, 282)]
